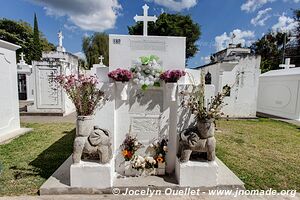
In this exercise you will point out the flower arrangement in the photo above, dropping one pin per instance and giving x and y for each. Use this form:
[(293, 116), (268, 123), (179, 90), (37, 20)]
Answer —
[(122, 75), (146, 72), (138, 163), (83, 91), (129, 147), (195, 101), (161, 148), (172, 76), (150, 162)]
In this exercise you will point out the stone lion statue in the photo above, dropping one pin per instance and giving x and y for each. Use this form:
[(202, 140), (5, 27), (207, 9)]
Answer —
[(97, 146), (199, 138)]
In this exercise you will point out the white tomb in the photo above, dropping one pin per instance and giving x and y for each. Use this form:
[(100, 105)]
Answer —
[(279, 92), (9, 105), (149, 114), (238, 69), (48, 97), (25, 80)]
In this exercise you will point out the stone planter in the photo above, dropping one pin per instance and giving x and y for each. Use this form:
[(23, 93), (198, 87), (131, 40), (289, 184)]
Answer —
[(84, 127), (161, 169), (171, 89), (122, 90)]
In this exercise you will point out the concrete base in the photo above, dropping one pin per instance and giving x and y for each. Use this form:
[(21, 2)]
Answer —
[(59, 182), (5, 138), (205, 174), (91, 175)]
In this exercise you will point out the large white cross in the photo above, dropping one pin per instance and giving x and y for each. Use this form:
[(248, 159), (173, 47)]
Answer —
[(286, 64), (60, 38), (101, 58), (145, 19)]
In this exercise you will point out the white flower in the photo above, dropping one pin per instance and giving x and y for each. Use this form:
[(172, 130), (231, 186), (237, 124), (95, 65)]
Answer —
[(147, 82), (151, 146), (165, 148), (142, 82), (136, 80), (136, 143)]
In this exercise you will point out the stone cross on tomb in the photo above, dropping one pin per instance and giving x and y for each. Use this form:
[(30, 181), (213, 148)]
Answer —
[(145, 19), (286, 64), (101, 58), (60, 38), (22, 61)]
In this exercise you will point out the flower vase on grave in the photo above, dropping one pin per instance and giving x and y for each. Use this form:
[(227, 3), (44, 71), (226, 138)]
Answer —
[(161, 169), (171, 89), (84, 126), (122, 90)]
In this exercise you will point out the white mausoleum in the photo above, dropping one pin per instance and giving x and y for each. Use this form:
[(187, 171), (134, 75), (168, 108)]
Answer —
[(279, 92), (236, 68), (9, 105), (48, 97)]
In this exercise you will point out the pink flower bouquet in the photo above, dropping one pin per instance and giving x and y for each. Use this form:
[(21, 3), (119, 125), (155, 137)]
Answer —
[(83, 92), (172, 76), (122, 75)]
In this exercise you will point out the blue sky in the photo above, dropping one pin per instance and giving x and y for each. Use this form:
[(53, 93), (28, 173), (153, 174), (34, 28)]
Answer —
[(219, 19)]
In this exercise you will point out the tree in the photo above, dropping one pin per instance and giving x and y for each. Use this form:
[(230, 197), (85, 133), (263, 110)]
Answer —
[(172, 25), (94, 46), (36, 46), (21, 33), (270, 49)]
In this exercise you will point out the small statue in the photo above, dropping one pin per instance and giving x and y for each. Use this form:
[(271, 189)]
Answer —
[(199, 138), (97, 146)]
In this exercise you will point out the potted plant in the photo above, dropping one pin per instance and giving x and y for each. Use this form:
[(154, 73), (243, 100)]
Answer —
[(171, 77), (83, 92), (121, 78), (206, 113), (146, 72)]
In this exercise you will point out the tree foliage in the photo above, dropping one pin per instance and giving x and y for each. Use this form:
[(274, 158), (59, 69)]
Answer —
[(270, 49), (172, 25), (21, 33), (94, 46), (36, 46)]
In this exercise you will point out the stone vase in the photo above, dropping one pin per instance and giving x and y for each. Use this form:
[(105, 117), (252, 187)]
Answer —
[(84, 127), (171, 89), (122, 90)]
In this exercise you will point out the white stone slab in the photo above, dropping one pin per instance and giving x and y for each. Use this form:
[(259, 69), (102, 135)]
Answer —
[(91, 175), (197, 174)]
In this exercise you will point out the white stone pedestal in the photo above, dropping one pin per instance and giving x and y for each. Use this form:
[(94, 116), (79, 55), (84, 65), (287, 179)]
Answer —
[(197, 174), (91, 175)]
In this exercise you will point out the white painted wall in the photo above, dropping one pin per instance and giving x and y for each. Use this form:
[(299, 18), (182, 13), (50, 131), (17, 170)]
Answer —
[(9, 105), (279, 93), (243, 77)]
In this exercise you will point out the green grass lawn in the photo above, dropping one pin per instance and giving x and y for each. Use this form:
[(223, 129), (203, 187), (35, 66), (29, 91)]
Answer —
[(263, 153), (30, 159)]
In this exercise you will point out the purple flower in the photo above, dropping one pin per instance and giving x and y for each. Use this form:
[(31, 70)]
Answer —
[(123, 75), (172, 76)]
